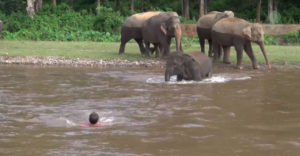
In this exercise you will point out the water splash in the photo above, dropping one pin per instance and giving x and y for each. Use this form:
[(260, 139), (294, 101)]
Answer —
[(216, 78)]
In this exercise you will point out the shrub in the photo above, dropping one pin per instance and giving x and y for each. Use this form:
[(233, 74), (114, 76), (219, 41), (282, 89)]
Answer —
[(108, 20)]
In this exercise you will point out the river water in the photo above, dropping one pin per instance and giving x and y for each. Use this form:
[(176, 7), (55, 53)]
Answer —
[(236, 112)]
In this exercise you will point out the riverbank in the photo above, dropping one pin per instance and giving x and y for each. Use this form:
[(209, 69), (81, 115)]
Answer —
[(60, 61), (104, 54)]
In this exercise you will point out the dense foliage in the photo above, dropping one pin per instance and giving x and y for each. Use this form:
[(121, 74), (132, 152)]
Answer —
[(81, 21)]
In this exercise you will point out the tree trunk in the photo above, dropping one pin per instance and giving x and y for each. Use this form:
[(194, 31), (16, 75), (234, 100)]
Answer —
[(38, 5), (54, 2), (201, 8), (206, 6), (258, 11), (30, 8), (270, 11), (118, 5), (142, 5), (186, 9), (98, 7), (71, 4), (182, 7), (132, 5)]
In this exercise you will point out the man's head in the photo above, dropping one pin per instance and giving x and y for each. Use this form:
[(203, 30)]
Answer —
[(94, 117)]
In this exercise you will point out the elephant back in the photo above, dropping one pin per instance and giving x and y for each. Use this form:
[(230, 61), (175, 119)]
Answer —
[(137, 20), (230, 26), (207, 20), (199, 56)]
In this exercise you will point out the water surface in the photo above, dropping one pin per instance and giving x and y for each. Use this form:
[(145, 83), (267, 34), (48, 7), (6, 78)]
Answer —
[(236, 112)]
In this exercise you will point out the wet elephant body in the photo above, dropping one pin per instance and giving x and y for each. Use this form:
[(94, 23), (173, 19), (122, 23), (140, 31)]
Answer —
[(188, 66), (159, 30), (238, 33), (132, 29), (204, 25)]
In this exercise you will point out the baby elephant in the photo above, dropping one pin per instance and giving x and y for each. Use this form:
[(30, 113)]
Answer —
[(190, 66)]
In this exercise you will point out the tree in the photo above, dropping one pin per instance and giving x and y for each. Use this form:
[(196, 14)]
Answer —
[(54, 2), (33, 6), (71, 4), (38, 5), (30, 8), (206, 6), (270, 10), (132, 5), (186, 8), (98, 6), (258, 11), (142, 6), (118, 5), (201, 8)]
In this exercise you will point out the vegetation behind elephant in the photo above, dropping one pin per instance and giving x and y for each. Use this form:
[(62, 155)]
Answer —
[(131, 29), (159, 31), (238, 33), (205, 24), (188, 66), (1, 28)]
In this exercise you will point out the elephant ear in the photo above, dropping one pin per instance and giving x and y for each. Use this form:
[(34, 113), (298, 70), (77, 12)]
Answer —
[(163, 28), (247, 32)]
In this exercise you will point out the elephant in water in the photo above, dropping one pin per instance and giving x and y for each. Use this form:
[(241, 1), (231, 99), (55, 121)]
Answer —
[(131, 29), (238, 33), (188, 66), (205, 24), (159, 31)]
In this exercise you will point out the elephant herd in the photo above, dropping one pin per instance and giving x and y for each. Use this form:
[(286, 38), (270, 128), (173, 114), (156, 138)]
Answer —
[(221, 29)]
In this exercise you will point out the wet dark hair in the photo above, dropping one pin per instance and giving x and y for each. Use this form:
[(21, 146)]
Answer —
[(94, 117)]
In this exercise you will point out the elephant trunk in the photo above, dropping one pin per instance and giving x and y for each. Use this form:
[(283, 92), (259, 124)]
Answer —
[(262, 47), (178, 38), (167, 76)]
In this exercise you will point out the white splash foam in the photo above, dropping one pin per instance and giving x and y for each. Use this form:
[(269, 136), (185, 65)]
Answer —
[(216, 78)]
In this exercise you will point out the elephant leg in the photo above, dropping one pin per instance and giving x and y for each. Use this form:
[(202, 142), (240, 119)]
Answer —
[(124, 40), (179, 77), (249, 52), (239, 55), (166, 46), (141, 46), (216, 50), (226, 51), (202, 42), (210, 48), (147, 50), (157, 50)]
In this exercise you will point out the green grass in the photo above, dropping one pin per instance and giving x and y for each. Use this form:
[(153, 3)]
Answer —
[(107, 51)]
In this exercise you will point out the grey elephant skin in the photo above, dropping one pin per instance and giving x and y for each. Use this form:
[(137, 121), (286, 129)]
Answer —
[(1, 28), (159, 30), (205, 24), (132, 29), (238, 33), (188, 66)]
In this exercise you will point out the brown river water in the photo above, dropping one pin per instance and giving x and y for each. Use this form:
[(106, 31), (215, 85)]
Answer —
[(236, 112)]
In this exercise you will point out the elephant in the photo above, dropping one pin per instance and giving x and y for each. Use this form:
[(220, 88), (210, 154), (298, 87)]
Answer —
[(1, 28), (131, 29), (188, 66), (159, 31), (238, 33), (205, 24)]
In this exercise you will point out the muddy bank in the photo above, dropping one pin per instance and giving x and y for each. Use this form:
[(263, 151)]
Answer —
[(83, 62), (54, 60)]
